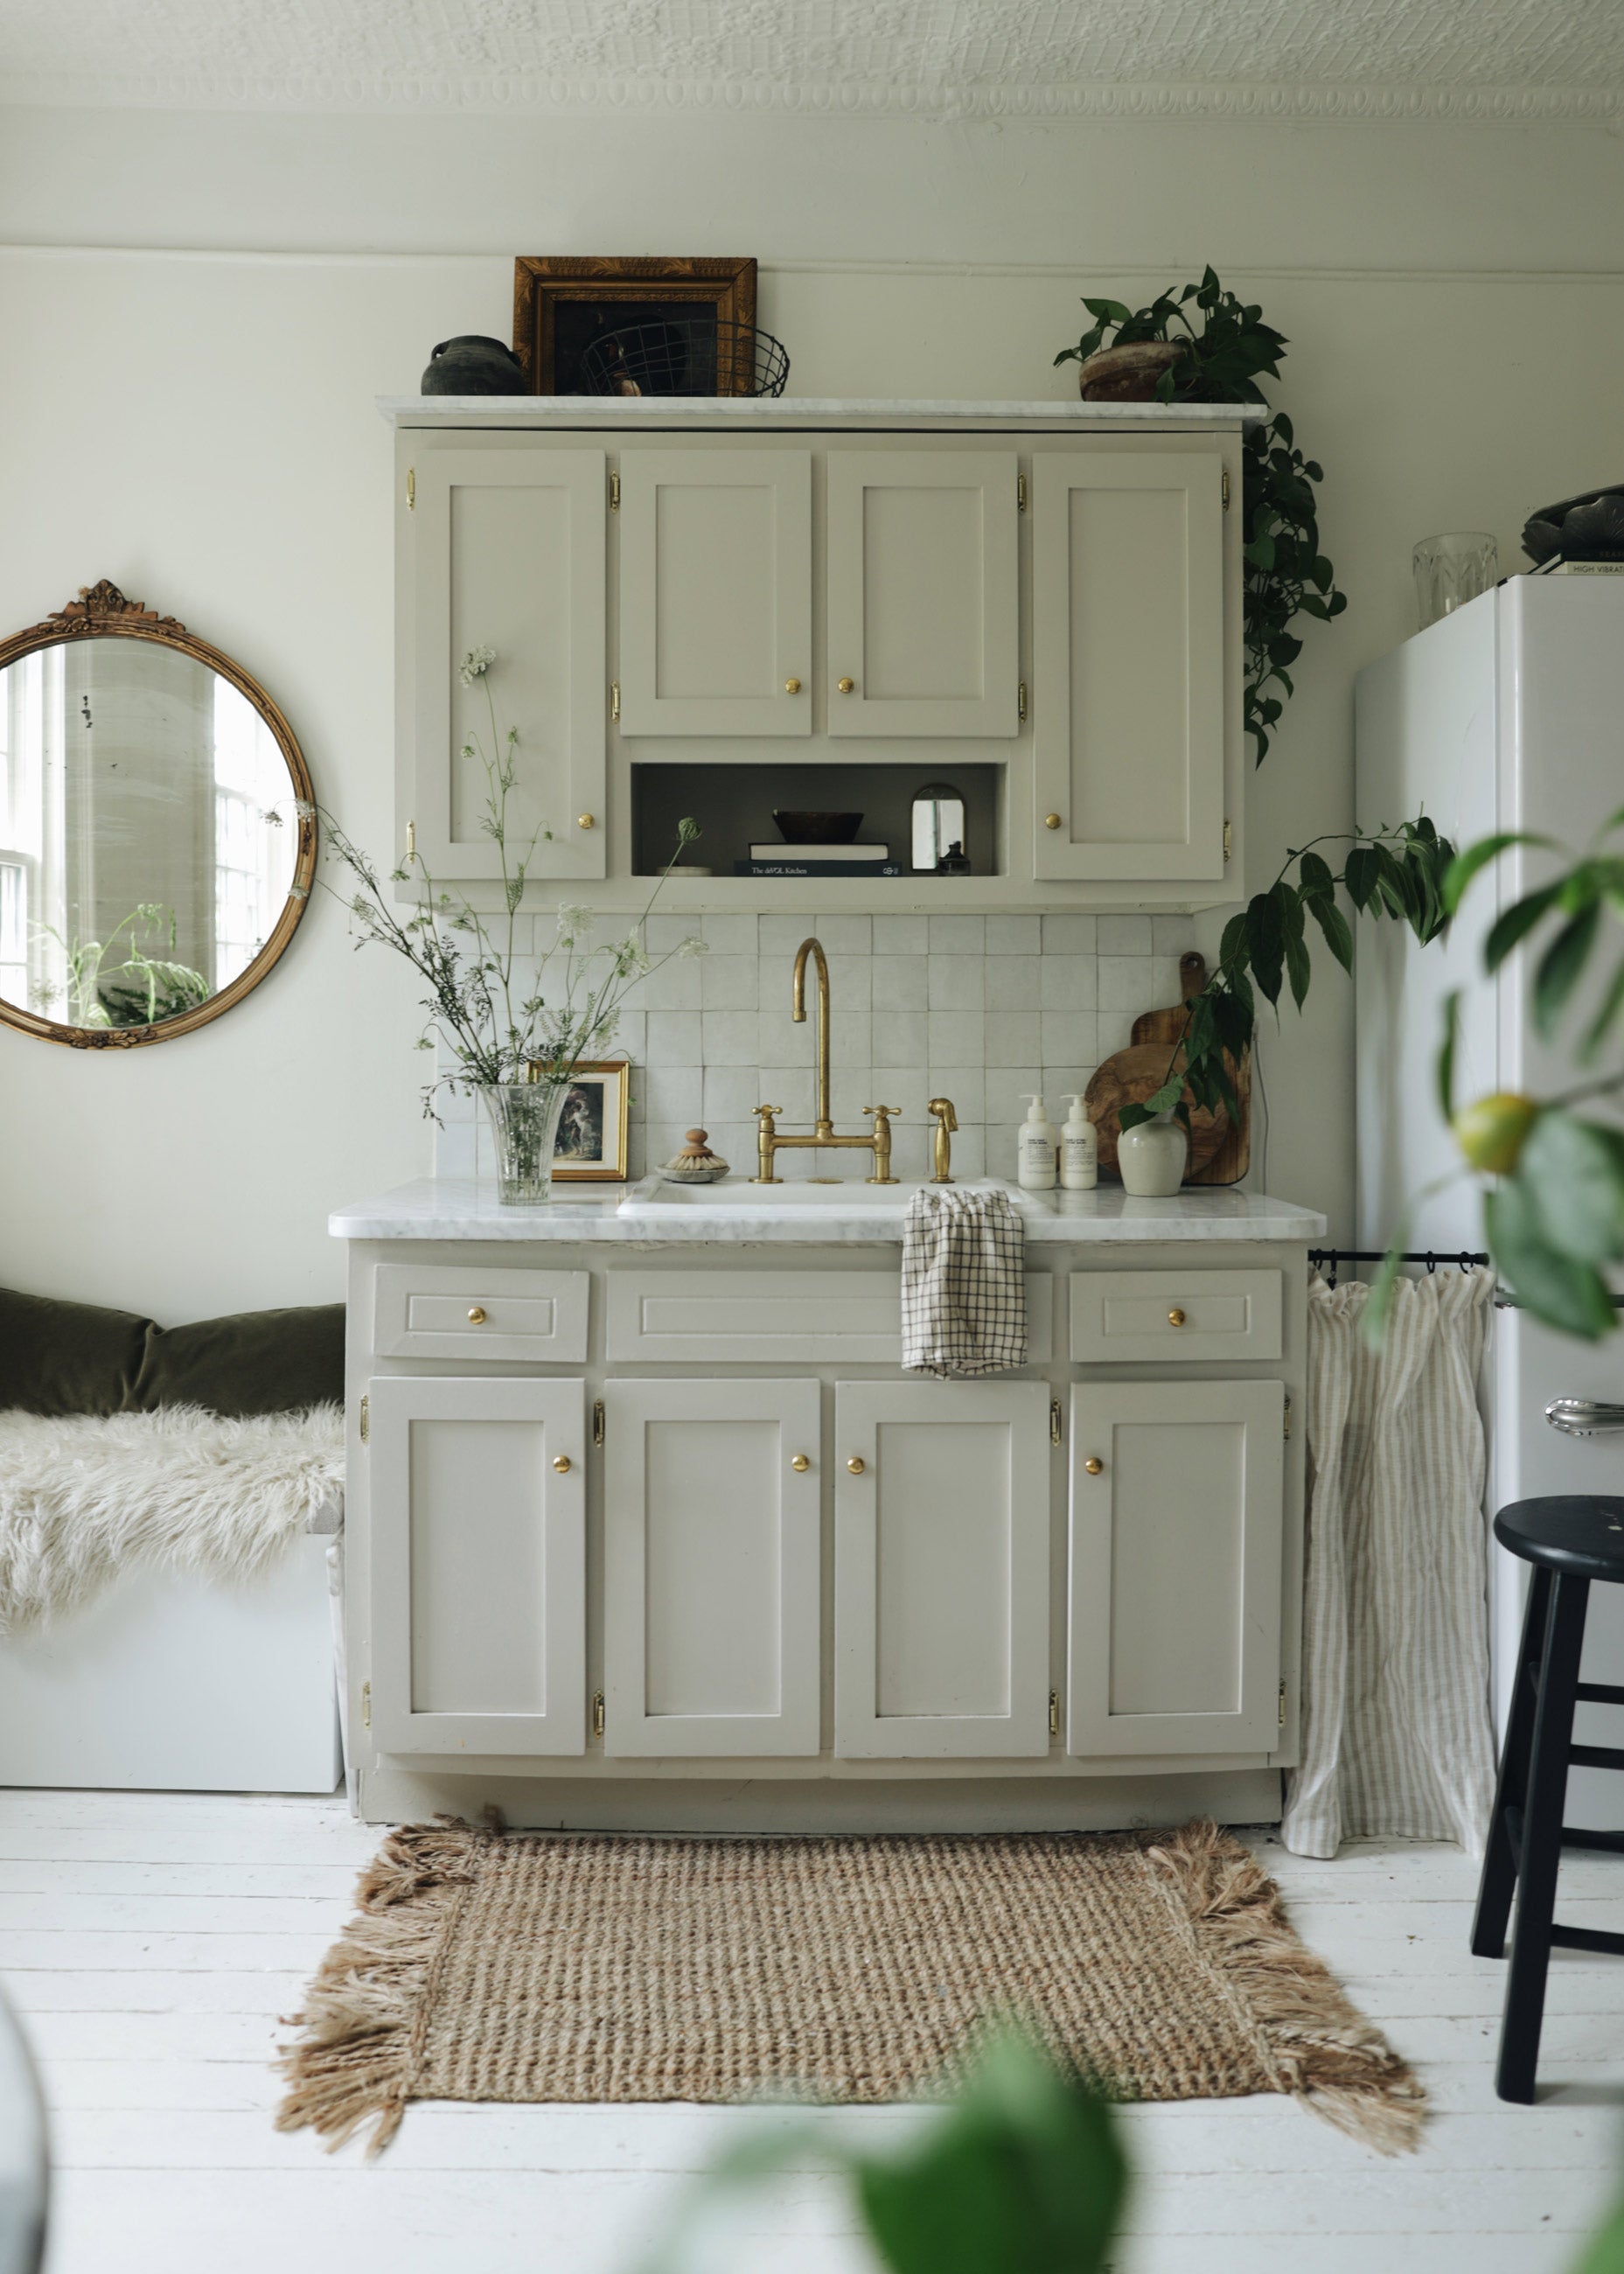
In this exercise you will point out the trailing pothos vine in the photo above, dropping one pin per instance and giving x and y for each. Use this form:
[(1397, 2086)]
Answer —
[(1222, 355), (1394, 873)]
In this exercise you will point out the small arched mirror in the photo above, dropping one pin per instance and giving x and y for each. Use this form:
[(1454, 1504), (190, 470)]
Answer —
[(157, 835)]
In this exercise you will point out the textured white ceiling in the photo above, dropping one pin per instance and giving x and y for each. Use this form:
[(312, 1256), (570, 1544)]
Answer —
[(1490, 59)]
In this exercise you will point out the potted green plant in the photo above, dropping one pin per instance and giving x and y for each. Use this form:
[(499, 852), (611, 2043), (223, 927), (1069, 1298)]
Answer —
[(1204, 345)]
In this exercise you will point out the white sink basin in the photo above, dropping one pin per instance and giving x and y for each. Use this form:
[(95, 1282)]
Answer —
[(738, 1196)]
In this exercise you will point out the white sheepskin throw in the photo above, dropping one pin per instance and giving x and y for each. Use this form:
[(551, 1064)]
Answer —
[(83, 1500)]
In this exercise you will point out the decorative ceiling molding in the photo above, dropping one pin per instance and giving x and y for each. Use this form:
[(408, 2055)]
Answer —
[(1516, 62)]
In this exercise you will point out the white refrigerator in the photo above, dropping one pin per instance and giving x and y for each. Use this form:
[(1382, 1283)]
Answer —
[(1508, 714)]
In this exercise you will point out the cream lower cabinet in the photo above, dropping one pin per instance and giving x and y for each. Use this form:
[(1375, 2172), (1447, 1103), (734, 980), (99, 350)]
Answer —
[(478, 1563), (1174, 1626), (712, 1619), (942, 1569)]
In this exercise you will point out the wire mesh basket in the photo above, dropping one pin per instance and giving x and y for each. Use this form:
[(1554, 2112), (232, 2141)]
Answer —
[(685, 354)]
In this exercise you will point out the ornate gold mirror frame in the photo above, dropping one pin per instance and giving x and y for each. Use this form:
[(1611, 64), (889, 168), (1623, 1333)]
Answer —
[(101, 612)]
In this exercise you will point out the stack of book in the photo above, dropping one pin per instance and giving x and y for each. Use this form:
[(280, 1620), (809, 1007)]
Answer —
[(818, 861)]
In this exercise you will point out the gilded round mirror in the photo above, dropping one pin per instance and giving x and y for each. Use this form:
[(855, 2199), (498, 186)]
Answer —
[(157, 836)]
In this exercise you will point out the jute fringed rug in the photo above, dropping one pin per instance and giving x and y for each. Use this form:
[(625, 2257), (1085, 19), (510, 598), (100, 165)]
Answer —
[(553, 1967)]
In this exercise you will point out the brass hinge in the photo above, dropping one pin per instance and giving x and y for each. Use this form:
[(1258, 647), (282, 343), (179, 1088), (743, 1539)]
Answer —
[(1020, 492), (1286, 1432), (614, 493), (1054, 1713), (366, 1419), (598, 1713), (598, 1420), (614, 698), (411, 489), (1020, 707), (411, 841), (1229, 839), (366, 1705), (1226, 489), (1282, 1701), (1053, 1421)]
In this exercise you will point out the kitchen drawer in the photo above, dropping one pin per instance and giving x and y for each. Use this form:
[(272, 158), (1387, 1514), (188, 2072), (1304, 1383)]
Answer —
[(450, 1311), (1132, 1316), (815, 1317)]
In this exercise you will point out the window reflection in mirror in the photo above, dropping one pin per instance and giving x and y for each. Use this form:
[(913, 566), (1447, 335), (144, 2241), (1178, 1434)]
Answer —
[(148, 836)]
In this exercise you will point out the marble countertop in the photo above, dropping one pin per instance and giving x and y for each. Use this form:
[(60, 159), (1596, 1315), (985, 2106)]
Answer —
[(795, 411), (452, 1207)]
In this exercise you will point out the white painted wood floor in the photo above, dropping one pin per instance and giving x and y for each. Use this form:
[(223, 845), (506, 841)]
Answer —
[(151, 1941)]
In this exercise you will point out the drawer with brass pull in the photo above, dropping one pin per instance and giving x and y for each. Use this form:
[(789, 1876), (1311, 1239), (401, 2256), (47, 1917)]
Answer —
[(453, 1311), (1126, 1316)]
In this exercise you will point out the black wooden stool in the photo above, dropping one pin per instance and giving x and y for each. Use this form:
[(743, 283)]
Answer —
[(1569, 1542)]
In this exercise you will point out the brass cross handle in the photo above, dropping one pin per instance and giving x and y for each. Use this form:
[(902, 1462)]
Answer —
[(768, 1111), (880, 1113)]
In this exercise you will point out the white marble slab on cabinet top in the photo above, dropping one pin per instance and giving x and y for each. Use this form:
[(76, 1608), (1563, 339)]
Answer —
[(793, 410), (457, 1208)]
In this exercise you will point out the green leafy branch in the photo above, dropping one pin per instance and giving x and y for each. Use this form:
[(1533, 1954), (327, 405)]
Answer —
[(1221, 359), (1394, 873), (137, 991), (1554, 1178)]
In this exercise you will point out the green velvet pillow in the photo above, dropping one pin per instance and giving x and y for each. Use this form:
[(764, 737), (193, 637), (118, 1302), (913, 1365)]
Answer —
[(57, 1359), (255, 1362)]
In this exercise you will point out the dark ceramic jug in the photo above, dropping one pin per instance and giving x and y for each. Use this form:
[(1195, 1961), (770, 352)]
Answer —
[(473, 365)]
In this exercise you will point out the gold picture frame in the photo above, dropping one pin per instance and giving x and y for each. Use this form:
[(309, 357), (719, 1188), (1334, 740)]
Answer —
[(559, 300), (593, 1142)]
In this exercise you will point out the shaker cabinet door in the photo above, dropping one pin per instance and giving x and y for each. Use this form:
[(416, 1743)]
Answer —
[(716, 592), (1128, 664), (942, 1557), (1176, 1520), (478, 1555), (506, 551), (712, 1562), (923, 593)]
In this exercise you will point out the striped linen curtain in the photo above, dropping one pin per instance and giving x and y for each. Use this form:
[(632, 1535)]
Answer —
[(1397, 1736)]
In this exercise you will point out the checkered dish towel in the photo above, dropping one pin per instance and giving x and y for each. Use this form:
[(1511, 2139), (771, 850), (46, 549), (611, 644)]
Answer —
[(964, 1283)]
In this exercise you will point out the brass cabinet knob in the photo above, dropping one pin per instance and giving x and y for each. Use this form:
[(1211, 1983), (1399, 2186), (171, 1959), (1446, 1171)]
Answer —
[(856, 1464), (1094, 1465), (792, 686), (800, 1463), (1051, 821), (586, 820), (476, 1317), (562, 1464), (845, 686), (1176, 1318)]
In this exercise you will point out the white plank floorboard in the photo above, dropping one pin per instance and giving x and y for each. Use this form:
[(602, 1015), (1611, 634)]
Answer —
[(152, 1941)]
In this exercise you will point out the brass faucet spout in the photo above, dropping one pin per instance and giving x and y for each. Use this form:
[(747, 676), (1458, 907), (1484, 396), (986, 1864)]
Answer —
[(798, 1012)]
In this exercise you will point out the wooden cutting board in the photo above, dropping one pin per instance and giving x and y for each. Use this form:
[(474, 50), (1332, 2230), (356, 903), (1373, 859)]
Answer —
[(1220, 1149)]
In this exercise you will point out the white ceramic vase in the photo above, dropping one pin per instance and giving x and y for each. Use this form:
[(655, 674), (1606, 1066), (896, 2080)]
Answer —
[(1152, 1157)]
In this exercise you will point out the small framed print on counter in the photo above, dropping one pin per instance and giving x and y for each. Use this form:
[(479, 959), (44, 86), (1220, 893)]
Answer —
[(592, 1134)]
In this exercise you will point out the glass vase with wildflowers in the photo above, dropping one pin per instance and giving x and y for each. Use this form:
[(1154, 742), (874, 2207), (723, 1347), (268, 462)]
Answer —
[(505, 1022)]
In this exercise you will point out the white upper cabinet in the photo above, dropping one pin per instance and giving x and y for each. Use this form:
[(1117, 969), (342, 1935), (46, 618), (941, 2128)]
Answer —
[(922, 631), (716, 592), (1176, 1567), (942, 1531), (1128, 665), (508, 554), (711, 1556), (478, 1568)]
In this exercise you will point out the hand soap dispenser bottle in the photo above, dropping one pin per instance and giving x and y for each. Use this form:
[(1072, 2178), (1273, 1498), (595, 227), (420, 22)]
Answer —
[(1034, 1148), (1079, 1150)]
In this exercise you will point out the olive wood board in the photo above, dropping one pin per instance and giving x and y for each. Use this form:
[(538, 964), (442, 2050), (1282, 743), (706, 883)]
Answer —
[(1220, 1148)]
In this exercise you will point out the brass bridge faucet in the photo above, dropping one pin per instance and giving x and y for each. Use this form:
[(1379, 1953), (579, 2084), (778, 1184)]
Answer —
[(768, 1141)]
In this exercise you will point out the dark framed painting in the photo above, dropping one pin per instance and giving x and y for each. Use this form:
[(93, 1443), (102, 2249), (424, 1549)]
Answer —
[(564, 304), (592, 1134)]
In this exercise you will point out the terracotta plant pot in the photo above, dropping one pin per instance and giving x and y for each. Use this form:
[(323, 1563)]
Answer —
[(1127, 374)]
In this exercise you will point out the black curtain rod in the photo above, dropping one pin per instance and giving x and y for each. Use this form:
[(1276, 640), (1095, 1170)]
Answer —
[(1465, 1258)]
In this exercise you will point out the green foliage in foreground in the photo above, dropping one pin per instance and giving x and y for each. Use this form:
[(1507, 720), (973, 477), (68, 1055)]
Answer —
[(1022, 2174)]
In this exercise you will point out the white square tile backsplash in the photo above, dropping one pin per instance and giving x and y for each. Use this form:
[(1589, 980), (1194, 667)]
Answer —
[(980, 1009)]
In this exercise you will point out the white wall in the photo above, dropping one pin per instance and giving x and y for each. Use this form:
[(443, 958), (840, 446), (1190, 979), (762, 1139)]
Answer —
[(198, 426)]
